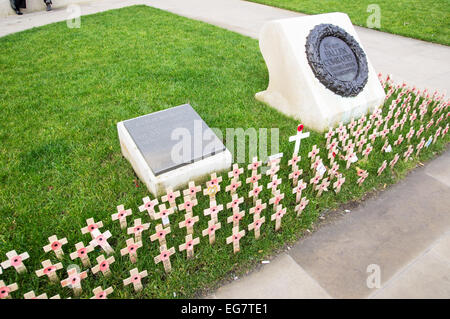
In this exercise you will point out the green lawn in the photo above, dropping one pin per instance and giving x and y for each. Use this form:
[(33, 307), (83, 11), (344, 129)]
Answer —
[(425, 20), (63, 91)]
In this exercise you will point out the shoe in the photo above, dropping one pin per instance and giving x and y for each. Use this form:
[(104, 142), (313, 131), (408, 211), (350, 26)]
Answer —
[(49, 7), (18, 12)]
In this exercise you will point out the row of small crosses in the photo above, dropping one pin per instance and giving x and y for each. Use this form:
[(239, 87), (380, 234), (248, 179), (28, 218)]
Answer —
[(358, 130)]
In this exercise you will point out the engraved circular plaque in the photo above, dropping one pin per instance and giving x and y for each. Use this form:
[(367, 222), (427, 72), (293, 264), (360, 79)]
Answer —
[(337, 60)]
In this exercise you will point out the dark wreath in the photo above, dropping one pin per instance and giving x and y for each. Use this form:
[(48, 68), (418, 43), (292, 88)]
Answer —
[(343, 88)]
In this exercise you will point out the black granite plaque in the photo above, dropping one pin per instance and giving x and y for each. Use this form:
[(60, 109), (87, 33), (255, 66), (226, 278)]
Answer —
[(337, 60), (152, 134)]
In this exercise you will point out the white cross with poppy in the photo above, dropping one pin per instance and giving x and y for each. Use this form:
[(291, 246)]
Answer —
[(367, 151), (235, 202), (256, 225), (189, 223), (213, 210), (255, 192), (408, 152), (258, 208), (192, 190), (236, 217), (300, 207), (73, 280), (164, 214), (100, 293), (211, 231), (212, 186), (338, 183), (135, 279), (82, 253), (137, 229), (313, 153), (164, 257), (294, 160), (277, 216), (323, 187), (160, 234), (92, 227), (102, 241), (276, 199), (235, 172), (103, 265), (274, 183), (5, 290), (298, 138), (32, 295), (382, 167), (121, 216), (149, 206), (298, 190), (131, 249), (253, 179), (188, 245), (235, 239), (234, 185), (56, 245), (295, 175), (188, 204), (254, 165), (171, 197), (15, 261), (49, 270), (410, 134)]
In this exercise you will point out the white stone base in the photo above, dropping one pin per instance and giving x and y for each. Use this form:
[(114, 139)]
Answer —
[(178, 178), (293, 88)]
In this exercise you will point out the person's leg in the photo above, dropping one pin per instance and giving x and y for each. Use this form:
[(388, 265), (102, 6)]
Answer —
[(17, 4), (48, 3)]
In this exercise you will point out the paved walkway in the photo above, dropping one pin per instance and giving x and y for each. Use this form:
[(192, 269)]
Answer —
[(405, 231)]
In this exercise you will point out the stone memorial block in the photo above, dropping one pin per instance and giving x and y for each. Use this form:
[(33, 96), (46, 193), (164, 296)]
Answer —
[(318, 70), (171, 147)]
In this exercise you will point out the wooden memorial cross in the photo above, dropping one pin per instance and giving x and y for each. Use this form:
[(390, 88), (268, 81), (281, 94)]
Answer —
[(160, 234), (394, 161), (436, 134), (189, 245), (408, 152), (188, 222), (276, 199), (131, 249), (313, 153), (293, 161), (258, 208), (338, 183), (235, 172), (235, 238), (350, 157), (253, 179), (323, 186), (255, 192), (212, 186), (298, 190), (56, 245), (211, 230), (316, 164), (373, 136), (382, 167), (300, 207), (399, 140), (82, 253), (367, 151), (92, 227), (254, 165), (136, 279), (361, 143), (32, 295), (235, 202), (236, 217), (103, 265), (297, 138), (15, 261), (296, 173), (410, 134), (362, 175), (272, 170), (256, 225), (277, 216), (315, 180), (49, 270), (213, 210), (121, 215), (137, 229), (149, 206), (332, 153), (171, 197), (164, 256), (164, 214), (102, 241), (5, 290), (351, 125), (234, 185), (420, 146), (192, 190), (333, 171), (99, 293), (188, 205), (73, 280), (274, 183), (329, 135)]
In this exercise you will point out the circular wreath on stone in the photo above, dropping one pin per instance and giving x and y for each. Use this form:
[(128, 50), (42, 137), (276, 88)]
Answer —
[(343, 88)]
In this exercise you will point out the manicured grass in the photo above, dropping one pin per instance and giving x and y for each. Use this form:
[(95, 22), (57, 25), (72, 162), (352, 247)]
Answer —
[(63, 91), (424, 20)]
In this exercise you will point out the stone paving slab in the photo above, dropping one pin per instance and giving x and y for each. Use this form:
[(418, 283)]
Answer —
[(282, 278)]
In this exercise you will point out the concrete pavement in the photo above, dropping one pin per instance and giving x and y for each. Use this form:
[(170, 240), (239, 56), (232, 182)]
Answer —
[(405, 231)]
